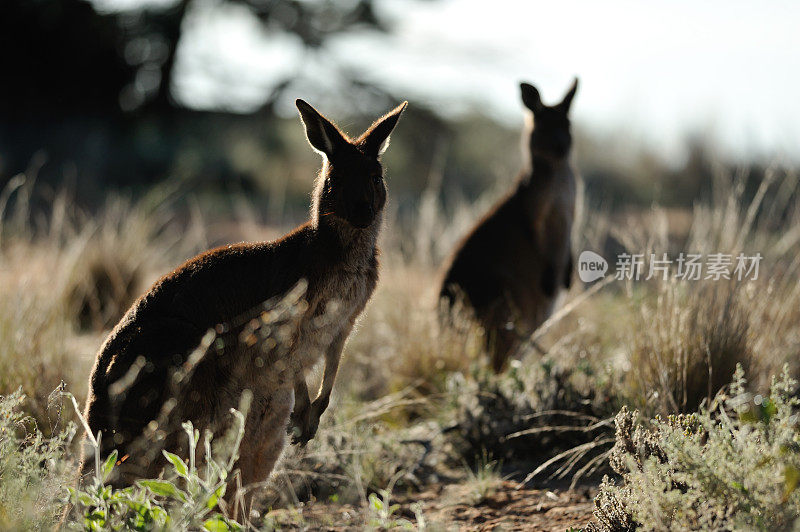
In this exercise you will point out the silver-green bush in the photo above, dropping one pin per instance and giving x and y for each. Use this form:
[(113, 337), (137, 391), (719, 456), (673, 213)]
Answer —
[(732, 466)]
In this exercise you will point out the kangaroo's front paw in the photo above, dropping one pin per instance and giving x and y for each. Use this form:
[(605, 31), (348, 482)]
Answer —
[(304, 423), (297, 422)]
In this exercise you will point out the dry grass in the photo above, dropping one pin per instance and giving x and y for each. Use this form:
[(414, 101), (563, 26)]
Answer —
[(663, 346), (688, 344), (67, 277), (686, 337)]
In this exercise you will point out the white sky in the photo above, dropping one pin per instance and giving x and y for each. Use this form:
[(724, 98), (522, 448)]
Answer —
[(656, 70)]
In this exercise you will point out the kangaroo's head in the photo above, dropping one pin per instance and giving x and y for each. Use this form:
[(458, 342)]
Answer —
[(550, 136), (350, 186)]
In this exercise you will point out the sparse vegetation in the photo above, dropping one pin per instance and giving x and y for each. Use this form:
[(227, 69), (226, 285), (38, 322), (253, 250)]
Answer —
[(734, 465), (187, 497), (414, 402), (32, 468)]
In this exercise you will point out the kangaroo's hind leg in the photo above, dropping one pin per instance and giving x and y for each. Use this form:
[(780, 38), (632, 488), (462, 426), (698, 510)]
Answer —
[(264, 439), (502, 338), (503, 343)]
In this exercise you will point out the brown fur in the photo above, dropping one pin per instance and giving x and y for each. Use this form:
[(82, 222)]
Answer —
[(334, 255), (511, 266)]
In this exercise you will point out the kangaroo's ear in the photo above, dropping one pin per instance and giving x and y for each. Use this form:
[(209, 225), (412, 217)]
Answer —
[(375, 140), (530, 97), (567, 101), (321, 133)]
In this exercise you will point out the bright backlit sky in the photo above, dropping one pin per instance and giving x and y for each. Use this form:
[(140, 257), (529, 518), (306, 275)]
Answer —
[(655, 70)]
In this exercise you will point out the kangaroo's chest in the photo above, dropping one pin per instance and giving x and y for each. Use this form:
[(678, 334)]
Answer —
[(333, 304), (561, 194), (336, 301)]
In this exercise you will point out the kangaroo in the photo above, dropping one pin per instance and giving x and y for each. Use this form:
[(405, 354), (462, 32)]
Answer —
[(330, 263), (510, 268)]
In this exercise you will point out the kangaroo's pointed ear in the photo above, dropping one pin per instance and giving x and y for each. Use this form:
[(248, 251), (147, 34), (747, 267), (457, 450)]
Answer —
[(567, 101), (321, 133), (530, 97), (375, 140)]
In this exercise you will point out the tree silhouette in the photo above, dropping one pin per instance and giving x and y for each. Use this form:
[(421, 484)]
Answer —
[(58, 57), (79, 84)]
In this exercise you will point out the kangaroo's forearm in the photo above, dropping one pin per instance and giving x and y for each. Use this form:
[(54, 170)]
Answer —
[(302, 398), (332, 357)]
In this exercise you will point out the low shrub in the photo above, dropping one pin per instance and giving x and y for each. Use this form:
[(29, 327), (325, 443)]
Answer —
[(32, 472), (732, 466), (37, 482), (533, 415)]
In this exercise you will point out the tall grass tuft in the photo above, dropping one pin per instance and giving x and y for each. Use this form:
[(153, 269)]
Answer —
[(685, 337), (687, 345), (67, 276)]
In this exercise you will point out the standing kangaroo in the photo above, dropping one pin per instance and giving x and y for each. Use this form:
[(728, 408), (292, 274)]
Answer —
[(132, 399), (509, 269)]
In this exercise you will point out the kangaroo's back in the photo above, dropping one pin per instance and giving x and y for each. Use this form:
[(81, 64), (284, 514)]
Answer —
[(510, 267)]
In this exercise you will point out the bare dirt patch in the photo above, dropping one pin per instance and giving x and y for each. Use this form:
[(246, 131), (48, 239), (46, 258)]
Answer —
[(449, 507)]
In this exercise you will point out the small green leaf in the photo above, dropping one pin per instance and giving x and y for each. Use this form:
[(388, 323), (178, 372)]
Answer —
[(160, 514), (95, 520), (165, 489), (180, 465), (216, 524), (218, 493), (768, 410), (138, 507), (106, 492), (747, 416), (85, 500), (791, 478), (764, 461), (375, 502), (108, 465)]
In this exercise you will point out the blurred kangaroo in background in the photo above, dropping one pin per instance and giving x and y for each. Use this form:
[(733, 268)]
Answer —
[(330, 263), (511, 266)]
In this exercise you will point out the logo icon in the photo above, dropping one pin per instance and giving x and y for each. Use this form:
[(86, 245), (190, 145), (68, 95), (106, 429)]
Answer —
[(591, 266)]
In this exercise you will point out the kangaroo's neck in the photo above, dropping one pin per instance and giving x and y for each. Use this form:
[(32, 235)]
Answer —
[(544, 173), (542, 168), (341, 241), (351, 246)]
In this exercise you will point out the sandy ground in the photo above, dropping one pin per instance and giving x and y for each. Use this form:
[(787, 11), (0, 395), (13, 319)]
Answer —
[(446, 507)]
